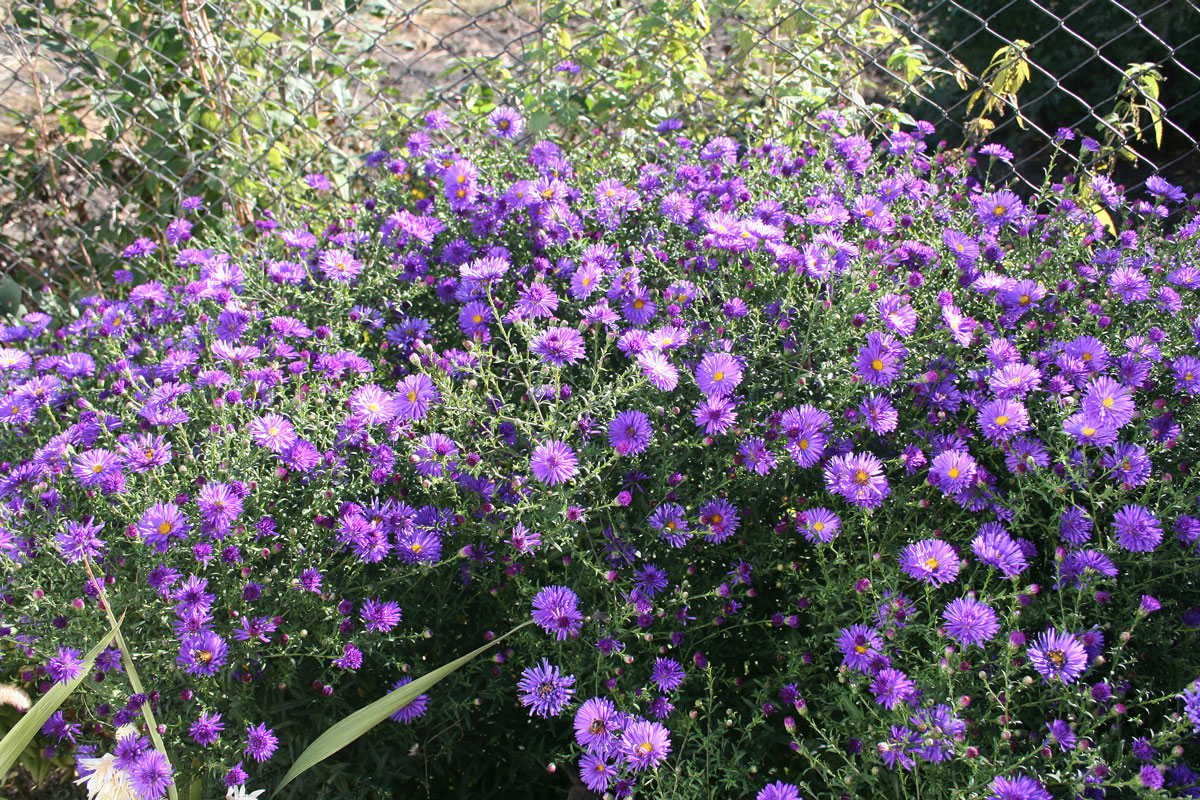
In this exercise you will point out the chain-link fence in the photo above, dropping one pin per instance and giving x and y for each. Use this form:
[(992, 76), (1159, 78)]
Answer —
[(113, 111)]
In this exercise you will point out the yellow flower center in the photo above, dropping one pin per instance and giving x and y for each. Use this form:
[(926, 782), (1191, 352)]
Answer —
[(412, 397), (164, 528), (1002, 420), (718, 376), (861, 477), (877, 364), (932, 564), (818, 526), (1107, 402), (953, 472)]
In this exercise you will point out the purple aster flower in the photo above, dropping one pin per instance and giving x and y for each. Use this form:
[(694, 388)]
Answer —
[(930, 560), (412, 710), (818, 525), (1001, 420), (544, 690), (860, 645), (968, 621), (1080, 565), (559, 346), (91, 468), (1018, 787), (380, 617), (997, 209), (994, 547), (1186, 370), (630, 432), (556, 610), (715, 415), (219, 504), (351, 657), (1058, 655), (203, 653), (273, 432), (879, 361), (79, 540), (721, 518), (669, 519), (66, 666), (756, 456), (339, 265), (1062, 734), (779, 791), (658, 369), (595, 771), (892, 687), (151, 775), (1089, 430), (858, 478), (161, 523), (667, 673), (1074, 525), (899, 748), (260, 742), (645, 745), (553, 462), (997, 151), (414, 396), (207, 729), (879, 414), (596, 723), (1109, 402), (1136, 529), (372, 405), (651, 580), (718, 374), (506, 123), (236, 776), (418, 545)]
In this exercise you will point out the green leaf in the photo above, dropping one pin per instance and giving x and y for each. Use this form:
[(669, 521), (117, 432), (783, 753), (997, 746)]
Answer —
[(357, 724), (23, 732)]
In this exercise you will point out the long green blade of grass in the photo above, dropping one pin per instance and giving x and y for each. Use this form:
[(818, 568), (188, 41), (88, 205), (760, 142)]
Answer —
[(15, 741), (352, 727)]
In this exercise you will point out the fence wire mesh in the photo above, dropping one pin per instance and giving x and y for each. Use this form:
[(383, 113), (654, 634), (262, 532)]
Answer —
[(113, 111)]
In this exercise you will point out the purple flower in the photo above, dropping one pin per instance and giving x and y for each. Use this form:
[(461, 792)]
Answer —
[(595, 772), (722, 519), (670, 521), (556, 610), (818, 525), (91, 468), (969, 621), (66, 666), (505, 122), (553, 462), (778, 791), (953, 470), (380, 617), (715, 415), (930, 560), (630, 432), (667, 673), (203, 653), (1058, 655), (857, 477), (892, 687), (718, 374), (351, 657), (559, 346), (860, 645), (1074, 525), (1062, 734), (1109, 402), (207, 729), (645, 745), (161, 523), (661, 373), (879, 413), (219, 504), (1136, 529), (1018, 787), (151, 775), (1003, 419), (79, 540), (260, 742), (339, 265), (596, 723), (414, 396), (412, 710), (544, 690), (880, 359), (994, 547), (273, 432)]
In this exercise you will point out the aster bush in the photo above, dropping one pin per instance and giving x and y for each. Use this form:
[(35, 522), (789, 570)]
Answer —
[(823, 468)]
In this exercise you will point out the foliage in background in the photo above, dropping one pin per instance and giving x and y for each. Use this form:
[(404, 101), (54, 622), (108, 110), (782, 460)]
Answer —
[(232, 101)]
